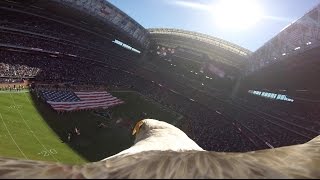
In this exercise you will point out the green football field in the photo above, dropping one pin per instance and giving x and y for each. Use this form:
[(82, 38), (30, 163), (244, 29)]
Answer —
[(30, 129)]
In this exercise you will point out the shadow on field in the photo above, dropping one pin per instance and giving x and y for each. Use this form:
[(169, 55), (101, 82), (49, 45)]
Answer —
[(93, 143)]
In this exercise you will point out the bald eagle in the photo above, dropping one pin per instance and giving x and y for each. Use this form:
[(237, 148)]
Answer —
[(164, 151)]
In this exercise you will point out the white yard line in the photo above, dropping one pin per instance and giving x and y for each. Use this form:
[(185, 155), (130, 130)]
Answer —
[(34, 135), (12, 137), (17, 92), (38, 118)]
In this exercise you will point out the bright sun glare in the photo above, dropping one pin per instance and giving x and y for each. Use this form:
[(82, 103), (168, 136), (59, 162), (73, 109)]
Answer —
[(237, 14)]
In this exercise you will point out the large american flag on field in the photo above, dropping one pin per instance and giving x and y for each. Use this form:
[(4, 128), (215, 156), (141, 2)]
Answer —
[(71, 101)]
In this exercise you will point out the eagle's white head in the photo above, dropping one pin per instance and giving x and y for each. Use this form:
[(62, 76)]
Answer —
[(155, 135), (159, 135)]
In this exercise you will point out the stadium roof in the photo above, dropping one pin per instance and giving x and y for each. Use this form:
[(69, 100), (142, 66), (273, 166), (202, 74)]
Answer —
[(218, 49), (204, 38), (110, 15)]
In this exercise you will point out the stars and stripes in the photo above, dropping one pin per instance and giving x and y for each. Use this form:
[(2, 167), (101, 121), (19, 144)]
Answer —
[(70, 101)]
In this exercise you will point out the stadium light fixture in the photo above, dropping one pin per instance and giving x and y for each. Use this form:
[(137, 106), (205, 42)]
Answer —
[(126, 46), (72, 55)]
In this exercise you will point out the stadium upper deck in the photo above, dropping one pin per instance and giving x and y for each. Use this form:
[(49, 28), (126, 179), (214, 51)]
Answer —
[(297, 38), (217, 49), (110, 22), (111, 15)]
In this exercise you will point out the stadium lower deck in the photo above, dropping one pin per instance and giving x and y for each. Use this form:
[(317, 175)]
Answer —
[(47, 52)]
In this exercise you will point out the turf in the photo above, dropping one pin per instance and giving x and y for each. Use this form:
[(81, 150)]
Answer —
[(30, 129)]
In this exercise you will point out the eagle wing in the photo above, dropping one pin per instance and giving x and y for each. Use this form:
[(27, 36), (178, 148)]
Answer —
[(298, 161)]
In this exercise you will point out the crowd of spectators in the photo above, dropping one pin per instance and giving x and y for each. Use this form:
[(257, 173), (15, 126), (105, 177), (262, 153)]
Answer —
[(17, 71), (39, 25), (213, 123), (209, 128), (206, 125), (49, 68), (298, 116)]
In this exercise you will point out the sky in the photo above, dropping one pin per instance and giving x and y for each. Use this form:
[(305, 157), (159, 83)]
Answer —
[(248, 23)]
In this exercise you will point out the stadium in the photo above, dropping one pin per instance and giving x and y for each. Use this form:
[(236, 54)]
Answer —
[(76, 76)]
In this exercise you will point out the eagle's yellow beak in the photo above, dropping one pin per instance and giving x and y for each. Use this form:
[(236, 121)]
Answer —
[(136, 128)]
